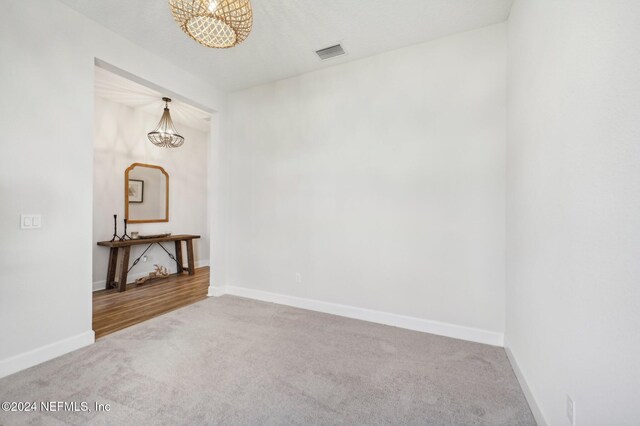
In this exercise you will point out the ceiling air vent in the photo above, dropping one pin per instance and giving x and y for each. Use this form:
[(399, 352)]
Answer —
[(330, 52)]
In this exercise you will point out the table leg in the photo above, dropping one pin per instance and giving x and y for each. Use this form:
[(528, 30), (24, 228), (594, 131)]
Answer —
[(192, 268), (124, 265), (179, 266), (111, 269)]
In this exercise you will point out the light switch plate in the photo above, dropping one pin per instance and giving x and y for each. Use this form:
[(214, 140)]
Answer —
[(30, 221)]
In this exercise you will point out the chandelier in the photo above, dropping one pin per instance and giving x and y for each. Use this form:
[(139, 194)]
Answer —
[(165, 134), (214, 23)]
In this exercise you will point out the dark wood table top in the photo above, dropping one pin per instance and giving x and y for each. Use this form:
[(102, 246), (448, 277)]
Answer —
[(147, 241)]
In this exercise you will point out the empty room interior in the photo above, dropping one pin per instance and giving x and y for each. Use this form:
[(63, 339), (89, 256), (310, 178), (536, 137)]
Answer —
[(293, 212)]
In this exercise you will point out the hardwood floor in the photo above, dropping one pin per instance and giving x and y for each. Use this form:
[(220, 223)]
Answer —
[(113, 311)]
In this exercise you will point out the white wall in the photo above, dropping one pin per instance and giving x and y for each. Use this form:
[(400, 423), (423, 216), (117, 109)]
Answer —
[(47, 76), (573, 311), (121, 140), (381, 181)]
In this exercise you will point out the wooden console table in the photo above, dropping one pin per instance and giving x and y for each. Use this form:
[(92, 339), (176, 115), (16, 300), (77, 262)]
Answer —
[(119, 256)]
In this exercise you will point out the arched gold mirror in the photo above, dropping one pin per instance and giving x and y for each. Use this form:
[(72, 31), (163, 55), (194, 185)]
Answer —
[(146, 194)]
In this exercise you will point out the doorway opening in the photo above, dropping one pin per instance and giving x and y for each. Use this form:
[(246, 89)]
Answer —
[(159, 260)]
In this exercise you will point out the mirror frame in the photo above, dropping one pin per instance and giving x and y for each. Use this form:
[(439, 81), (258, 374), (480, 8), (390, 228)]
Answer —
[(126, 194)]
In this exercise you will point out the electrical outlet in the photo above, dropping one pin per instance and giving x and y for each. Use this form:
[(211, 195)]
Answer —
[(145, 258), (571, 411), (298, 278)]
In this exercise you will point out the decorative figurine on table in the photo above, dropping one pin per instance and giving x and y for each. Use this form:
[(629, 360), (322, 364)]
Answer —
[(125, 237), (115, 228)]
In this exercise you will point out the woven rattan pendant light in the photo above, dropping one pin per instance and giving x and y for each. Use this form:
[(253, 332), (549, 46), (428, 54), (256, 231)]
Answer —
[(214, 23), (165, 133)]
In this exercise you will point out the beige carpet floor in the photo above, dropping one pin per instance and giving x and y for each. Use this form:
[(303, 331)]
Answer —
[(232, 361)]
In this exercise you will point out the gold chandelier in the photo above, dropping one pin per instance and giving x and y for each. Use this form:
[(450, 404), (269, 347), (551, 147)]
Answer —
[(214, 23), (165, 134)]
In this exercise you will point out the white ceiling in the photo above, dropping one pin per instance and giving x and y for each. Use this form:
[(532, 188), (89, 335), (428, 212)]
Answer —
[(118, 89), (287, 32)]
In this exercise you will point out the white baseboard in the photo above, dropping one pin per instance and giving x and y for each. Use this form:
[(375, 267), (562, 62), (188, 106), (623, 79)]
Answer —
[(99, 285), (533, 405), (402, 321), (202, 263), (216, 291), (45, 353)]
